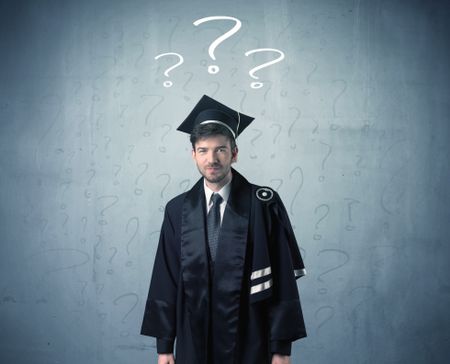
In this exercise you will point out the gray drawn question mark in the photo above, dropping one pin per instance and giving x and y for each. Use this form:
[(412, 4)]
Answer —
[(327, 211), (141, 53), (280, 181), (358, 172), (161, 99), (114, 198), (107, 144), (298, 189), (138, 191), (327, 318), (338, 95), (97, 256), (92, 176), (266, 93), (252, 142), (213, 69), (191, 75), (351, 201), (217, 84), (82, 301), (162, 149), (276, 135), (169, 83), (110, 270), (256, 85), (165, 186), (84, 221), (186, 183), (308, 78), (135, 219), (299, 113), (330, 149), (133, 306), (337, 266), (353, 315), (119, 167)]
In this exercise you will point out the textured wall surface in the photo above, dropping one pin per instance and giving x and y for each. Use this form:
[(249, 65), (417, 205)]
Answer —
[(352, 129)]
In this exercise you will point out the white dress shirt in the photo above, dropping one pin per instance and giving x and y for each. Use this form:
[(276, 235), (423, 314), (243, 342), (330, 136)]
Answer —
[(224, 192)]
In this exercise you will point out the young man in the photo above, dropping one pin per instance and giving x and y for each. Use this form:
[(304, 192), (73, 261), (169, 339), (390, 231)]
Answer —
[(224, 277)]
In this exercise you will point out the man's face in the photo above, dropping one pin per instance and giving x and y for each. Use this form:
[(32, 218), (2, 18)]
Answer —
[(214, 157)]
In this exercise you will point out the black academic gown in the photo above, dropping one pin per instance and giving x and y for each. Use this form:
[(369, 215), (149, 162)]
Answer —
[(248, 307)]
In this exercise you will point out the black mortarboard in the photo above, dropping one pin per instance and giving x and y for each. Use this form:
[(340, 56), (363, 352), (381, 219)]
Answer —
[(209, 110)]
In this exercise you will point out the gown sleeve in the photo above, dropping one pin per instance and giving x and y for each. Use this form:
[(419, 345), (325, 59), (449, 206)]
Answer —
[(285, 313), (160, 310)]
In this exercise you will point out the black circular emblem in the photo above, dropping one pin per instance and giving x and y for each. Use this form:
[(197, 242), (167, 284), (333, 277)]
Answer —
[(264, 193)]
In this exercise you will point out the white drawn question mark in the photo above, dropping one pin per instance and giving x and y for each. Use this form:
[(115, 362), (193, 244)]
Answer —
[(166, 72), (213, 69), (256, 85)]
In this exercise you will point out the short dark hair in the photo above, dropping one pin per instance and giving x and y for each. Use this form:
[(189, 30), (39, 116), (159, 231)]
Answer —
[(202, 131)]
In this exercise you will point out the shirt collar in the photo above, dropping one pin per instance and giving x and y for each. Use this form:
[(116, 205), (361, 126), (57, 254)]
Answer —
[(224, 192)]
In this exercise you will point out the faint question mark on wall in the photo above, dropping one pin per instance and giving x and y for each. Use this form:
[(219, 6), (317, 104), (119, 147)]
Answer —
[(252, 142), (338, 95), (354, 313), (217, 84), (308, 78), (129, 263), (162, 148), (328, 316), (278, 126), (119, 167), (191, 75), (358, 172), (327, 211), (133, 306), (114, 198), (161, 99), (279, 185), (108, 140), (298, 189), (335, 267), (351, 201), (184, 184), (84, 221), (213, 69), (330, 149), (167, 183), (110, 270), (97, 256), (299, 113), (138, 191), (82, 301), (169, 83), (256, 85)]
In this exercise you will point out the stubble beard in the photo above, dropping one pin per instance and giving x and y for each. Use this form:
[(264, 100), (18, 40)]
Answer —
[(216, 179)]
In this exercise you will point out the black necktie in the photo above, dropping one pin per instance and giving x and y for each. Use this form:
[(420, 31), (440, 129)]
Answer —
[(213, 224)]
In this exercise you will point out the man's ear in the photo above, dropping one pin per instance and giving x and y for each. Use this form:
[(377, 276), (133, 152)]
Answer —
[(234, 155), (193, 153)]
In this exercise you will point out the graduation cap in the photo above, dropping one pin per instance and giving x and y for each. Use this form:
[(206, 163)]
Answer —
[(209, 110)]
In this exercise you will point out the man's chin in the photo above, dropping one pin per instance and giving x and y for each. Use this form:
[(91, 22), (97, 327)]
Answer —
[(214, 179)]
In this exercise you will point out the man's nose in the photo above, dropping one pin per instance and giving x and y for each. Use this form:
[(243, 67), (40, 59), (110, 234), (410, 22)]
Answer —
[(212, 157)]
